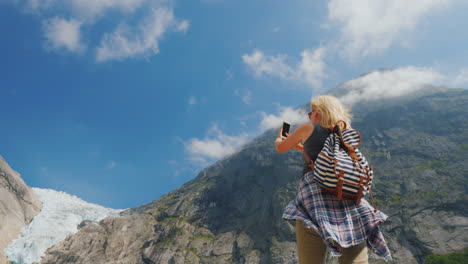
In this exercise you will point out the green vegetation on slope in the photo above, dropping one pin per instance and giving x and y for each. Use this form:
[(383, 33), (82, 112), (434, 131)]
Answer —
[(452, 258)]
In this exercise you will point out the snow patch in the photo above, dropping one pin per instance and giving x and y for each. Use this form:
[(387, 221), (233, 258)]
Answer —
[(60, 216)]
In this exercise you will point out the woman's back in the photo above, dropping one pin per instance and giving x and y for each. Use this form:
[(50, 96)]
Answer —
[(314, 144)]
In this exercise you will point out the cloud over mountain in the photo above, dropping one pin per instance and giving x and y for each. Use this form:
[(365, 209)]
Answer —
[(389, 83), (214, 146), (288, 114)]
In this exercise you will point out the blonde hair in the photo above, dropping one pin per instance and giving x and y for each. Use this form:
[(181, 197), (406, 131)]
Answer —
[(331, 111)]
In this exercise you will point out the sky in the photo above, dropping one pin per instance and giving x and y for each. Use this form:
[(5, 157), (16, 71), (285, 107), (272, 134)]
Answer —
[(121, 101)]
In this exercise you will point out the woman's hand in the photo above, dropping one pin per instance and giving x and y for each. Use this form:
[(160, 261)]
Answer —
[(280, 134)]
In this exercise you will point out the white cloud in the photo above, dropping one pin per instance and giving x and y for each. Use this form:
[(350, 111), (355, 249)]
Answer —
[(181, 26), (35, 5), (94, 8), (272, 65), (140, 38), (112, 164), (247, 98), (460, 79), (124, 42), (288, 114), (88, 9), (216, 145), (310, 70), (375, 85), (312, 67), (61, 33), (192, 100), (229, 75), (213, 1), (369, 27), (390, 83)]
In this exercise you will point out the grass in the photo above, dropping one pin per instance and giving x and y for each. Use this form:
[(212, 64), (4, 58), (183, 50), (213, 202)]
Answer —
[(396, 199), (206, 183), (207, 237), (430, 165), (190, 250), (167, 241), (451, 258), (176, 219), (463, 147)]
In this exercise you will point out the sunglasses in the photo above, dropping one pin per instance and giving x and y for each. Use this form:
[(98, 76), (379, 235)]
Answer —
[(310, 113)]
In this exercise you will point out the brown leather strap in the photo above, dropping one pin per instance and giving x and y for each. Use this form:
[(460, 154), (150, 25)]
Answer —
[(344, 123), (351, 150), (360, 191), (337, 130), (339, 185)]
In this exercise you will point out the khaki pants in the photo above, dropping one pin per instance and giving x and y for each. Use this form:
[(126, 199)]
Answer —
[(311, 249)]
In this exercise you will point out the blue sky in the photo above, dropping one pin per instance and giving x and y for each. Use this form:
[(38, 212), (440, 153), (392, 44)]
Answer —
[(119, 102)]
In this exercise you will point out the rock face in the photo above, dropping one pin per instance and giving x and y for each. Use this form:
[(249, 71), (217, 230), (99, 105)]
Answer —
[(231, 212), (18, 206)]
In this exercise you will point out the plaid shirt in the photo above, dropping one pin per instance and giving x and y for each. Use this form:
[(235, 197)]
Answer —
[(337, 220)]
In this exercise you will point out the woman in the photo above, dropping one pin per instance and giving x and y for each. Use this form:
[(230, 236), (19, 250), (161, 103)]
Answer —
[(323, 221)]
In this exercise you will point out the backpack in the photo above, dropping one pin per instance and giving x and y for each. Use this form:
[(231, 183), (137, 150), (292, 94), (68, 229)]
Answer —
[(340, 168)]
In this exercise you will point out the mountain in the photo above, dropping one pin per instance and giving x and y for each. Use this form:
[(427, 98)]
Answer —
[(18, 205), (231, 212), (60, 216)]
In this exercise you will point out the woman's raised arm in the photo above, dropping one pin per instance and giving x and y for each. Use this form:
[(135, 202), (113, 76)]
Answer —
[(294, 139)]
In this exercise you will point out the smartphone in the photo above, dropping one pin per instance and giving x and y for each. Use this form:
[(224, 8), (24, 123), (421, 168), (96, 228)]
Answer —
[(286, 127)]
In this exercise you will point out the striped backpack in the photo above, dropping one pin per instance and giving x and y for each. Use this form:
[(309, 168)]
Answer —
[(340, 168)]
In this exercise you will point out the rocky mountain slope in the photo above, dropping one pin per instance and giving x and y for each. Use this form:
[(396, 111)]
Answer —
[(18, 205), (231, 212), (59, 217)]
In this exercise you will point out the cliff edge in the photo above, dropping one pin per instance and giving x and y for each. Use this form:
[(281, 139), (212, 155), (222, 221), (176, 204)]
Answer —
[(18, 206)]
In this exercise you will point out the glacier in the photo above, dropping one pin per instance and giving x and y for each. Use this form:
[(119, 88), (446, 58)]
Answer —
[(60, 216)]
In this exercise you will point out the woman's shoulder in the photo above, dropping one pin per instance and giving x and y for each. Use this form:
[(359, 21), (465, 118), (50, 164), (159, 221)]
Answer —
[(319, 130), (319, 127), (307, 126), (306, 130)]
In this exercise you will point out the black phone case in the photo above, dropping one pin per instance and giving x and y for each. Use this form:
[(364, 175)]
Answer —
[(286, 127)]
